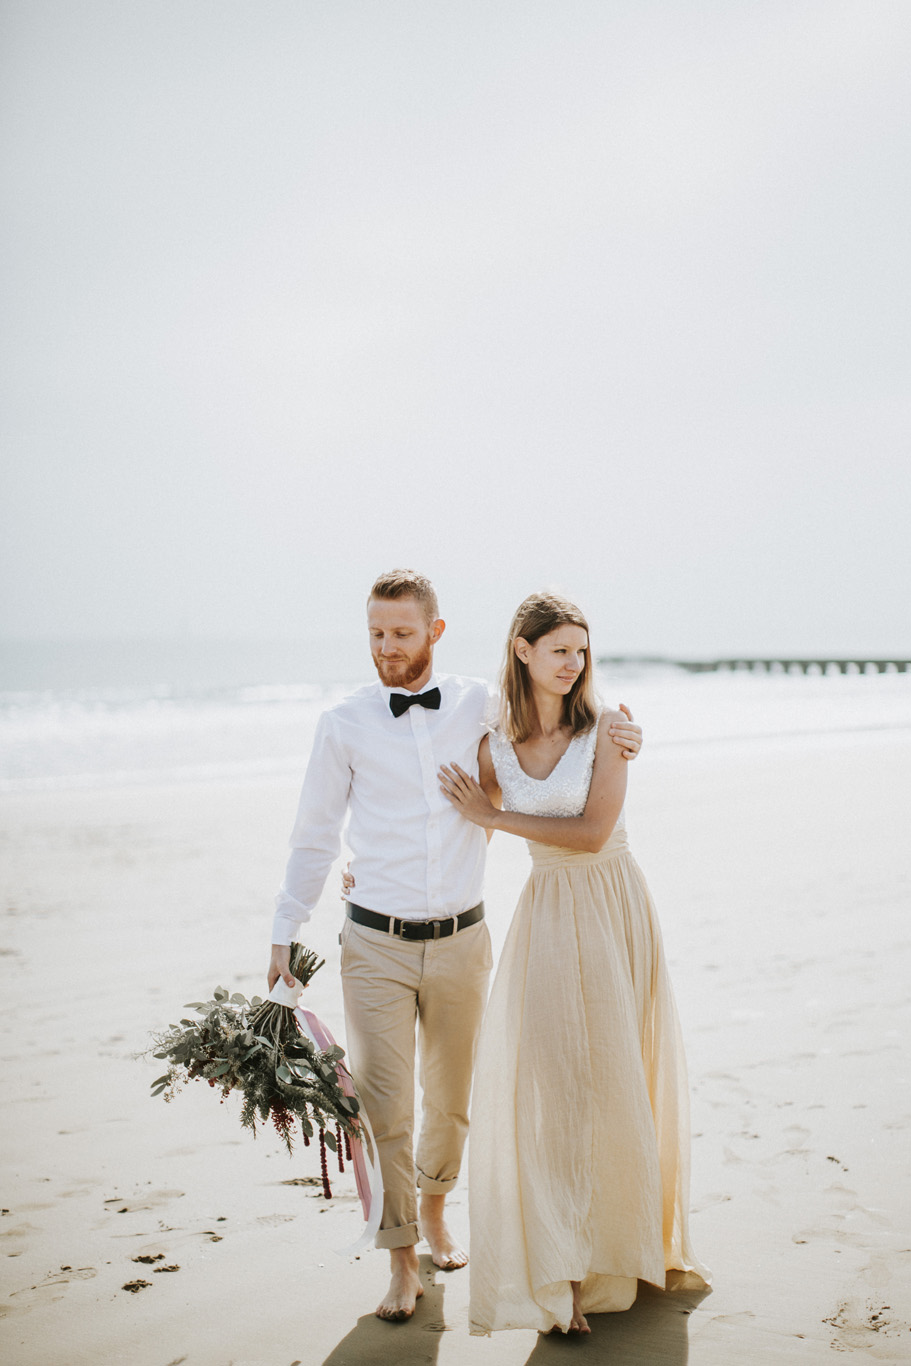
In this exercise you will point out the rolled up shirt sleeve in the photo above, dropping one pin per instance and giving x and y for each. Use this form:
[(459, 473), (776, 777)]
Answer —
[(316, 838)]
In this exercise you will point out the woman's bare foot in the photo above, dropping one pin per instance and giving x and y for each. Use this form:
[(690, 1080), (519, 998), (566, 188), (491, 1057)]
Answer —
[(444, 1250), (405, 1287), (578, 1323)]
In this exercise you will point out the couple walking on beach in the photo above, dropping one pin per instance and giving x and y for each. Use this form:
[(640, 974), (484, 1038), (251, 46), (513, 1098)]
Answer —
[(579, 1154)]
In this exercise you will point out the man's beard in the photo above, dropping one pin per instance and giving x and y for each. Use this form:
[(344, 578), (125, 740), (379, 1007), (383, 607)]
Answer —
[(400, 674)]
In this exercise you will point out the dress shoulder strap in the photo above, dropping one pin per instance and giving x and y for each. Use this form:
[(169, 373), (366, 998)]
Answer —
[(501, 752)]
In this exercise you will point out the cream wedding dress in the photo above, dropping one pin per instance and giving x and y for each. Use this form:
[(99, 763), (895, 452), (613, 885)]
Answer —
[(579, 1148)]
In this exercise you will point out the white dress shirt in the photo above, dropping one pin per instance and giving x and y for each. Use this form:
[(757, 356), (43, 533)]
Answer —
[(414, 856)]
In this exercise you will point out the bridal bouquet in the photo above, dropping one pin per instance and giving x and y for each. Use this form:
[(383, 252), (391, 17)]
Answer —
[(281, 1058)]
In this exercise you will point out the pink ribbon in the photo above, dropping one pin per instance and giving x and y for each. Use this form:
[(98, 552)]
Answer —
[(366, 1163)]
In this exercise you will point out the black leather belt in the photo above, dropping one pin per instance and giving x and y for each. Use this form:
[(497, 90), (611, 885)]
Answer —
[(415, 929)]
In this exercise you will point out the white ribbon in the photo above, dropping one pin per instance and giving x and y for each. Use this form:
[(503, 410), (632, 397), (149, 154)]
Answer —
[(284, 995), (374, 1183)]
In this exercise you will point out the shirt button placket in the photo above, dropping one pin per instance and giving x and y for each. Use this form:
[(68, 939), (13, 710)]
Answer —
[(428, 774)]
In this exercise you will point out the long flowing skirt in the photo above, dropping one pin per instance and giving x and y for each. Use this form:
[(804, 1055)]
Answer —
[(579, 1147)]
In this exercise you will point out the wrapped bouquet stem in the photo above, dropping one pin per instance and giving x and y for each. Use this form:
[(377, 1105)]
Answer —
[(288, 1068)]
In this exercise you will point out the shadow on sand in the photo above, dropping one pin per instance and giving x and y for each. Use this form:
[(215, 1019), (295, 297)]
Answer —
[(652, 1333), (406, 1344)]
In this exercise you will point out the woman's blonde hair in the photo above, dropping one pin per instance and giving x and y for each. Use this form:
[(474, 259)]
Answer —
[(537, 616)]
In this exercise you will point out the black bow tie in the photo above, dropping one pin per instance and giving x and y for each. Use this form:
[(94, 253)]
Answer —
[(399, 702)]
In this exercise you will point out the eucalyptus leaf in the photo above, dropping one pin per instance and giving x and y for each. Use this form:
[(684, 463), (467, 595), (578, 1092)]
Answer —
[(329, 1136), (256, 1046)]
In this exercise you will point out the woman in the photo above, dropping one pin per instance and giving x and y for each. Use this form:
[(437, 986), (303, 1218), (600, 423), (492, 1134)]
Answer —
[(579, 1127)]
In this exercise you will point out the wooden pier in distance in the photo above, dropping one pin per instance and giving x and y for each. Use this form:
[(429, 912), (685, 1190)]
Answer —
[(772, 664)]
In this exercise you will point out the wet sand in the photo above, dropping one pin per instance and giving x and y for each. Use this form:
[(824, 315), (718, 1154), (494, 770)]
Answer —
[(781, 873)]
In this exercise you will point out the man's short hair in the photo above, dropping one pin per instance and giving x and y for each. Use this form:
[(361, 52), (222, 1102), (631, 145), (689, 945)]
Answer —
[(407, 583)]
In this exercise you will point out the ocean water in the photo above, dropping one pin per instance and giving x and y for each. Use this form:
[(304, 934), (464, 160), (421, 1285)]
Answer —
[(119, 713)]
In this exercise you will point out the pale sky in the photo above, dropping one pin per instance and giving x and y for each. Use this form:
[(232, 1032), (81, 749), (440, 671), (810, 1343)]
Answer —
[(611, 297)]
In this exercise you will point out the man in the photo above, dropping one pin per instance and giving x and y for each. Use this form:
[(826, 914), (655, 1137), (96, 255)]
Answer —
[(415, 946)]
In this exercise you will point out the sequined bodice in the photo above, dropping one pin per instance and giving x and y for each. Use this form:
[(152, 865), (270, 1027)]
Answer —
[(563, 792)]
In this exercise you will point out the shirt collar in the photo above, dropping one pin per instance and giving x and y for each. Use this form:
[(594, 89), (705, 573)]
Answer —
[(432, 682)]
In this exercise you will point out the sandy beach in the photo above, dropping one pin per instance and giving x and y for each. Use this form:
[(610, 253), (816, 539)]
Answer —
[(781, 873)]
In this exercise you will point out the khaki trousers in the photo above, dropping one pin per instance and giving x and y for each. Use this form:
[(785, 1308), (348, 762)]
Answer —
[(389, 984)]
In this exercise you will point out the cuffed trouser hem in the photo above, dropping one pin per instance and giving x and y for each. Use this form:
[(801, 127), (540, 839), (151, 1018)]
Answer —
[(406, 1236), (430, 1186)]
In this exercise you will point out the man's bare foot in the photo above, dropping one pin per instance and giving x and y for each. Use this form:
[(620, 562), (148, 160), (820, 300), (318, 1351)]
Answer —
[(578, 1323), (444, 1250), (405, 1287)]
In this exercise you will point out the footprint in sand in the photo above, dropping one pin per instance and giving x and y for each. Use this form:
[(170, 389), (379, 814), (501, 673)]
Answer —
[(15, 1239), (148, 1200), (884, 1266), (52, 1288), (851, 1223), (151, 1253), (795, 1135), (842, 1197), (856, 1320), (714, 1198)]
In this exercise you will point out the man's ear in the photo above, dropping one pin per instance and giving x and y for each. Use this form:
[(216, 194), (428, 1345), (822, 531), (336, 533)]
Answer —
[(436, 630), (520, 645)]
